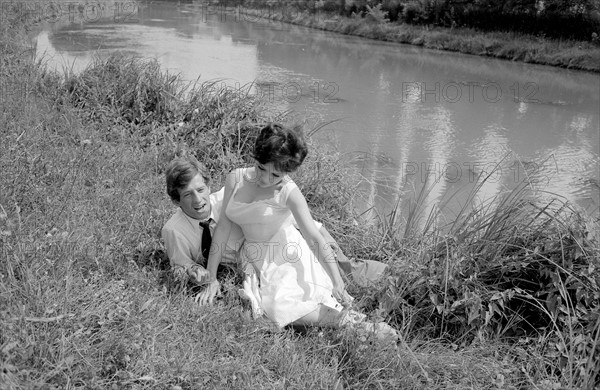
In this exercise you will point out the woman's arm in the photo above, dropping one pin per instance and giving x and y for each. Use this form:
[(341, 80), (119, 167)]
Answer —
[(218, 245), (297, 204), (329, 239)]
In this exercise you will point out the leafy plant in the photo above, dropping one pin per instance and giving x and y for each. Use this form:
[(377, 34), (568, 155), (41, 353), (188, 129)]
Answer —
[(377, 14)]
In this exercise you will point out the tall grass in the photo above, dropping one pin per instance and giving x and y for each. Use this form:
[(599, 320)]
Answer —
[(515, 269)]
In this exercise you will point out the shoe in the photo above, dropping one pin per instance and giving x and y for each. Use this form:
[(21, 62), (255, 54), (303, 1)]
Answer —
[(381, 331), (350, 316), (357, 322)]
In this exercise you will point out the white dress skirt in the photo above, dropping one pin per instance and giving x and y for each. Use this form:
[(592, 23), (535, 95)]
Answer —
[(292, 281)]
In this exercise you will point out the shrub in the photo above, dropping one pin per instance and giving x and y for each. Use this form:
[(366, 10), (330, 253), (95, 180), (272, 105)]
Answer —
[(393, 8), (328, 5), (377, 14), (133, 89)]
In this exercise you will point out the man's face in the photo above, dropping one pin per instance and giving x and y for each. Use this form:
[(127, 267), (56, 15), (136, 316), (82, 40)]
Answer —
[(194, 198)]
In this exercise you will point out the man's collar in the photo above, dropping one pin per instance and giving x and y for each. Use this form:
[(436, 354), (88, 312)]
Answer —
[(212, 214), (193, 221)]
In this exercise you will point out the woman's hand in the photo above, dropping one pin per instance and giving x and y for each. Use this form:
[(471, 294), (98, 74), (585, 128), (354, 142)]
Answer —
[(207, 296), (340, 293)]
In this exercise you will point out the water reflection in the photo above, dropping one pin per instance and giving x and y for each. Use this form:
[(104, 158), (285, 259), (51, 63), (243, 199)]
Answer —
[(409, 108), (493, 146)]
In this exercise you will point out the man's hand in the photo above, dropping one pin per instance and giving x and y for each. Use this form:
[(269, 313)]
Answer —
[(198, 274), (180, 275), (207, 296)]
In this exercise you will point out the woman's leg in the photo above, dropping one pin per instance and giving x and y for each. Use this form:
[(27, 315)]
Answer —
[(325, 316), (322, 316)]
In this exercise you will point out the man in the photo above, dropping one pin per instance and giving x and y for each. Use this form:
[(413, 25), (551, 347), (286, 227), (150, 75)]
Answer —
[(184, 235), (187, 241)]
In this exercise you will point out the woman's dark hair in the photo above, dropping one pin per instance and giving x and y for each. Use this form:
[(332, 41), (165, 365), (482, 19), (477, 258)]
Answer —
[(283, 146)]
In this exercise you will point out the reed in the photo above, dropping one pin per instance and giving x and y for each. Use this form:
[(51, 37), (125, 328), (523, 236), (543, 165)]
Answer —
[(514, 269)]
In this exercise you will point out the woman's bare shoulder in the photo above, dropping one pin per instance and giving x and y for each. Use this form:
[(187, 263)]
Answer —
[(237, 175)]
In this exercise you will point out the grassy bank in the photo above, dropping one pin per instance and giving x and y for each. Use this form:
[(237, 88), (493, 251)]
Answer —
[(579, 55), (86, 302)]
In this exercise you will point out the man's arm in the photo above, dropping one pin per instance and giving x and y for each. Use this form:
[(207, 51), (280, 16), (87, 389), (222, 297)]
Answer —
[(180, 257), (178, 249)]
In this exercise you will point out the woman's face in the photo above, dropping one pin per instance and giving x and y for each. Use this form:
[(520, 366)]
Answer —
[(267, 175)]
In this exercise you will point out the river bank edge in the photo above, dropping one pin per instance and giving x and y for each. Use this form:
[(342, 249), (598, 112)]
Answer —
[(573, 55), (566, 54)]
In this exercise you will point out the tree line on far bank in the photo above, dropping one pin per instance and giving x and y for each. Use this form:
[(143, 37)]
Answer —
[(557, 19)]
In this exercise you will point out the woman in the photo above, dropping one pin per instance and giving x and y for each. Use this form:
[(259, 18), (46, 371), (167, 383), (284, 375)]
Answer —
[(300, 283)]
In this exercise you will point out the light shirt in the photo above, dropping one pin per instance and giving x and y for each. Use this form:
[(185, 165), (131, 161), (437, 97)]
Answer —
[(182, 236)]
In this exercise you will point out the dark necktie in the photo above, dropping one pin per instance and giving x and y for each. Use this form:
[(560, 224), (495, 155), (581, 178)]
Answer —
[(206, 238)]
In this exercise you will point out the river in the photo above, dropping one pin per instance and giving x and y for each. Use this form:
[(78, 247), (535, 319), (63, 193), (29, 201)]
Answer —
[(409, 117)]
